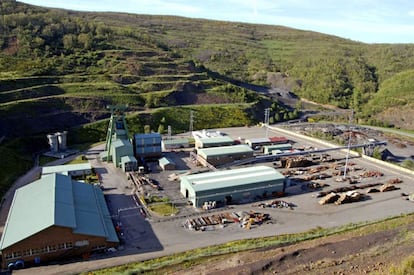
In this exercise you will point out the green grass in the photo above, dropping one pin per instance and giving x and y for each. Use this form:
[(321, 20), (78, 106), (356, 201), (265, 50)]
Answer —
[(405, 268), (164, 209), (78, 159)]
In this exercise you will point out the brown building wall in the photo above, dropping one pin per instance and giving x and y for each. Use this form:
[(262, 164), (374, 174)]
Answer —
[(53, 243)]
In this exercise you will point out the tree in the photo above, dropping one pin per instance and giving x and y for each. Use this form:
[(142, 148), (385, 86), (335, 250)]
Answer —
[(160, 128), (69, 42)]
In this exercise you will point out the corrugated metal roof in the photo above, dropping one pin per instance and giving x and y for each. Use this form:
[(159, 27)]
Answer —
[(232, 178), (150, 135), (165, 161), (57, 200), (66, 168), (126, 159), (224, 150), (175, 141), (121, 142), (215, 140), (258, 140)]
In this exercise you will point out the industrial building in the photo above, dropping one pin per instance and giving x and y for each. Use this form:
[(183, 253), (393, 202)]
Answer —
[(171, 144), (72, 170), (221, 155), (55, 218), (269, 149), (118, 147), (208, 142), (147, 145), (232, 186), (166, 164), (257, 143)]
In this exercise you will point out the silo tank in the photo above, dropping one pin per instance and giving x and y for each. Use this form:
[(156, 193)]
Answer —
[(62, 140), (53, 142)]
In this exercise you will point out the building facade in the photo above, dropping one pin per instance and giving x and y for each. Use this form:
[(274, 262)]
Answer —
[(55, 218), (232, 186), (217, 156), (147, 145)]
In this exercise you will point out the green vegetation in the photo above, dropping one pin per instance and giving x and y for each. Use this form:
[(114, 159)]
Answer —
[(406, 267), (168, 264), (82, 62), (161, 205), (78, 159)]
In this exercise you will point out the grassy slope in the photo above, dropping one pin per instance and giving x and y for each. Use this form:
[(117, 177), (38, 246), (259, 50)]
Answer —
[(208, 255)]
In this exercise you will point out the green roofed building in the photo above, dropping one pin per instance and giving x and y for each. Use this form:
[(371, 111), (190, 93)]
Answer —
[(222, 155), (213, 141), (235, 185), (54, 218)]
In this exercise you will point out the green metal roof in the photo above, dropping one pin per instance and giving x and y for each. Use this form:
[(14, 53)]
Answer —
[(224, 150), (66, 168), (56, 200), (216, 140), (164, 161), (232, 178), (121, 142), (175, 141), (126, 159)]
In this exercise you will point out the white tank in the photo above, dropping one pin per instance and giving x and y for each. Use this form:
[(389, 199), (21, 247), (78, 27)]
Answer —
[(53, 142), (62, 140)]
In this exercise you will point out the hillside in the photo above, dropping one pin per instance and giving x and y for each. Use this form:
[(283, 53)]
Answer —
[(60, 69), (65, 66)]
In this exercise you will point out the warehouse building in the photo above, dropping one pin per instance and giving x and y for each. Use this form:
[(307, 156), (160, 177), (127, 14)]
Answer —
[(55, 218), (269, 149), (73, 170), (208, 142), (232, 186), (171, 144), (222, 155), (147, 145)]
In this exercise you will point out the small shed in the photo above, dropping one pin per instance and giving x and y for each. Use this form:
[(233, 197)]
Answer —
[(268, 149), (257, 143), (129, 163), (166, 164)]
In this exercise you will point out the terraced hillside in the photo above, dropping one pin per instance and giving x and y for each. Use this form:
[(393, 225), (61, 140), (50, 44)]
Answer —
[(65, 66)]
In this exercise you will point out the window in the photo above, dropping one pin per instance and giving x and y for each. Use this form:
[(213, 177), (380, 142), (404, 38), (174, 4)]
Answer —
[(26, 252), (44, 249), (8, 255), (69, 245), (61, 246), (17, 254), (36, 251), (52, 248)]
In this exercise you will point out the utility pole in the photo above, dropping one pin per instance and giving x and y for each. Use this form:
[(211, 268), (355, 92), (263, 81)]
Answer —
[(191, 122), (351, 118), (266, 120)]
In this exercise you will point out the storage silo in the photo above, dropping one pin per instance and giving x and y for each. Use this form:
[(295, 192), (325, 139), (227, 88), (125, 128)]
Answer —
[(62, 140), (53, 142)]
